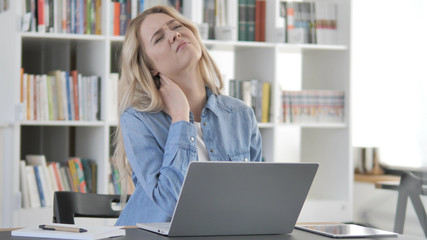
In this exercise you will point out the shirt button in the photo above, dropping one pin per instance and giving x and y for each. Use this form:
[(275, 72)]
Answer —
[(246, 159), (192, 139), (212, 150), (204, 124)]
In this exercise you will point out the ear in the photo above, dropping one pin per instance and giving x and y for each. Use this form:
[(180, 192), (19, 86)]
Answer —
[(154, 72)]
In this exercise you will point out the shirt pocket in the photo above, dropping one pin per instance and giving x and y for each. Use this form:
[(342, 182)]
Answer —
[(243, 156)]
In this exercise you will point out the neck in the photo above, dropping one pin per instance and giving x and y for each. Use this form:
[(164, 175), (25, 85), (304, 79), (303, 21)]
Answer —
[(191, 83)]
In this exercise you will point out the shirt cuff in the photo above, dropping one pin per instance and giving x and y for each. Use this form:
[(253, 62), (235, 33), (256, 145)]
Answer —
[(182, 134)]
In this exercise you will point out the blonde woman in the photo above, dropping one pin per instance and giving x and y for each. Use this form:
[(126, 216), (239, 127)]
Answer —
[(172, 113)]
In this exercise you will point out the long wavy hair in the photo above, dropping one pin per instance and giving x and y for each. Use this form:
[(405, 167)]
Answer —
[(137, 89)]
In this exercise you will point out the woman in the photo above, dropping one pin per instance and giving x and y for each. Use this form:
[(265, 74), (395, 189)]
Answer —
[(172, 113)]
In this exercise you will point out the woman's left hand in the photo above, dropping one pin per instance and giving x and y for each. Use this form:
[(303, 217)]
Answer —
[(176, 103)]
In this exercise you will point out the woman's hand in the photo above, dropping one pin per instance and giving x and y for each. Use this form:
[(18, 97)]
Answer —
[(176, 103)]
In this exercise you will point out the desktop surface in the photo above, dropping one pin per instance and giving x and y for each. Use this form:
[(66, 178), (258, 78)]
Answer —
[(137, 234)]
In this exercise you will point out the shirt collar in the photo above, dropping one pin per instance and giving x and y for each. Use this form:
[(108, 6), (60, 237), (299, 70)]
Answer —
[(212, 103)]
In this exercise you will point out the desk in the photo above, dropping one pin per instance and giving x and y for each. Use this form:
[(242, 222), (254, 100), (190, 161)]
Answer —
[(139, 234)]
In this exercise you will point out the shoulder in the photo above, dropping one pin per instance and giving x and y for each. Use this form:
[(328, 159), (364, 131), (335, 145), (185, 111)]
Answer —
[(231, 104)]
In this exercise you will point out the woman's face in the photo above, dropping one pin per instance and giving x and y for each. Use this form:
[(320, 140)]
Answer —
[(171, 47)]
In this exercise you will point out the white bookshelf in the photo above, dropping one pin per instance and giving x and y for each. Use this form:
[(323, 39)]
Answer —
[(291, 66)]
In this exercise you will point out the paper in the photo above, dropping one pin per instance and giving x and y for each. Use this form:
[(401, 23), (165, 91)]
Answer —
[(93, 232)]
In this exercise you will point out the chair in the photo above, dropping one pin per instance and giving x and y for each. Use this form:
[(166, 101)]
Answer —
[(67, 205), (411, 186)]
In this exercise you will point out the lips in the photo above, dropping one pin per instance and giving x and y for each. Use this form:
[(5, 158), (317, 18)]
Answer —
[(181, 45)]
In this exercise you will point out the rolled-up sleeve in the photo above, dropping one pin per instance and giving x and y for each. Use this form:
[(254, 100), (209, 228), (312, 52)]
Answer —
[(159, 167)]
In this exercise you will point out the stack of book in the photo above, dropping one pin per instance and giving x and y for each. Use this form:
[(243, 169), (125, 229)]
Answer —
[(255, 94), (60, 95), (313, 106), (71, 16), (39, 179), (252, 20), (309, 22), (122, 11)]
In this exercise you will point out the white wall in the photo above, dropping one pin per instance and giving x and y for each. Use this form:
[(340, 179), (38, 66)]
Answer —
[(389, 84), (389, 78)]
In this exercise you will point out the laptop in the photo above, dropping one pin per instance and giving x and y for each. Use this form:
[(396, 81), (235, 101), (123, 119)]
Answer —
[(238, 198)]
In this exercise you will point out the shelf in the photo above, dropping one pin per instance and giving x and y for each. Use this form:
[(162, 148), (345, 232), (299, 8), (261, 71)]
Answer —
[(64, 36), (63, 123), (314, 125), (265, 125), (231, 45), (285, 47), (117, 38)]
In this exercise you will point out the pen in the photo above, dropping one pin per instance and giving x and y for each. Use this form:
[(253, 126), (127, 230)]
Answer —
[(61, 228)]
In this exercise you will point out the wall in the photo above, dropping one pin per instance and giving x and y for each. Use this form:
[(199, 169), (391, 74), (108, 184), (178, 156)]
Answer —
[(389, 79), (389, 103)]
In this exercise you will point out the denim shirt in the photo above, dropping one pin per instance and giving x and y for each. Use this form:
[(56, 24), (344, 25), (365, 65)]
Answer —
[(159, 152)]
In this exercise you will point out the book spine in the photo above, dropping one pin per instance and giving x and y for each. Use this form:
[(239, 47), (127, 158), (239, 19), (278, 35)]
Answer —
[(37, 173), (250, 16), (80, 175), (41, 27), (73, 175), (33, 187), (116, 18), (49, 97), (74, 75), (25, 192), (57, 175), (266, 92), (242, 21), (64, 94), (98, 19)]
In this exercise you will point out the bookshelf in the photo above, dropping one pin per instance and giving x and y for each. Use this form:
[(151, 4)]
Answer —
[(285, 66)]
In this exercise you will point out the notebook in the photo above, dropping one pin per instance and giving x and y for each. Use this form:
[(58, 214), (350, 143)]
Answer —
[(92, 233), (238, 198), (345, 230)]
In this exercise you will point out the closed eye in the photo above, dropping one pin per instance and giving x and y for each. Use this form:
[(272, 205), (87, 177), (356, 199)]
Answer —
[(160, 38)]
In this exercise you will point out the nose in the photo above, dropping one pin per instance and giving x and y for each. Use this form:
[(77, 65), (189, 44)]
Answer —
[(174, 35)]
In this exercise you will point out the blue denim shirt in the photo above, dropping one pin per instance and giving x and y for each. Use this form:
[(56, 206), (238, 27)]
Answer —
[(159, 152)]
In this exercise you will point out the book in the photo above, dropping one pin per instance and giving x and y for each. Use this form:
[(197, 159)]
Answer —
[(41, 171), (260, 20), (23, 182), (32, 187), (266, 92), (80, 175), (250, 20), (93, 232), (56, 176), (112, 101), (41, 185), (73, 174), (75, 87), (41, 27), (242, 36)]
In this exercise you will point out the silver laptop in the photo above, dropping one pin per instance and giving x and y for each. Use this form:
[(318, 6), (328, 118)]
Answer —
[(238, 198)]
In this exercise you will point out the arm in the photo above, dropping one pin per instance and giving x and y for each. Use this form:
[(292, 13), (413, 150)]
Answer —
[(256, 140), (160, 170)]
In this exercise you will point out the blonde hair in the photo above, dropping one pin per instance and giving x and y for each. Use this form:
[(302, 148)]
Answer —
[(136, 86)]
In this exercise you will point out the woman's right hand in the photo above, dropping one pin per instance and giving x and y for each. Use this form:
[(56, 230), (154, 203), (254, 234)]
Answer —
[(174, 99)]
